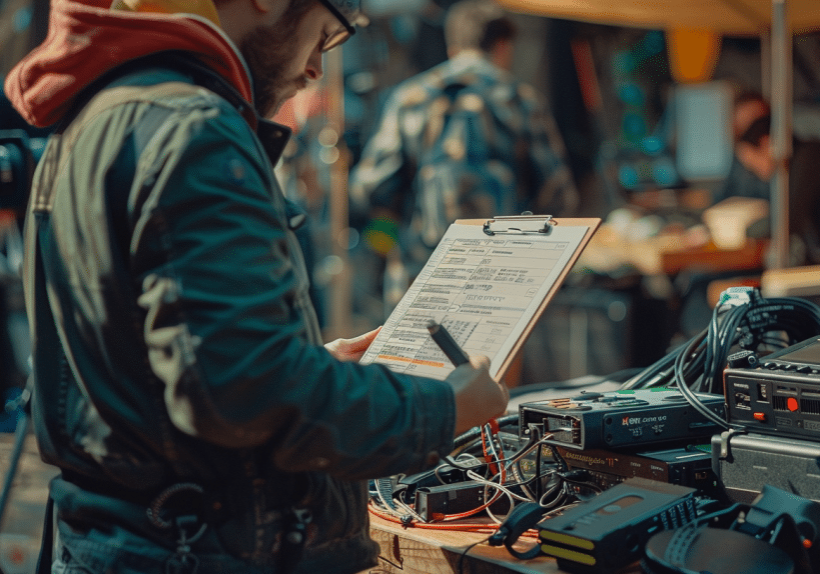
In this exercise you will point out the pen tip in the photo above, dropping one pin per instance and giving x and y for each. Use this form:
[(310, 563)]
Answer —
[(432, 325)]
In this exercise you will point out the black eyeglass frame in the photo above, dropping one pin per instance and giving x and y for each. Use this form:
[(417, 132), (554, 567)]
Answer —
[(341, 17)]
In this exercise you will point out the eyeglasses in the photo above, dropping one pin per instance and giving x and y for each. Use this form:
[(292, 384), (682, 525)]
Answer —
[(341, 35)]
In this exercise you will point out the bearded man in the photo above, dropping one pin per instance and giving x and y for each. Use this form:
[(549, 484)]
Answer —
[(180, 381)]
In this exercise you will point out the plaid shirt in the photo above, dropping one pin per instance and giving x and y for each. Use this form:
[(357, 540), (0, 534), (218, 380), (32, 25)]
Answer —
[(503, 154)]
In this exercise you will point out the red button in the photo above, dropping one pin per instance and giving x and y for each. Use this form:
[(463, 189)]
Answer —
[(792, 404), (760, 417)]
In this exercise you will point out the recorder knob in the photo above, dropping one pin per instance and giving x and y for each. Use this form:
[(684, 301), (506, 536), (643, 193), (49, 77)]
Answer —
[(741, 359)]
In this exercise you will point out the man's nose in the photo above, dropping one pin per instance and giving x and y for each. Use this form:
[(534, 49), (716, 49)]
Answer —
[(314, 70)]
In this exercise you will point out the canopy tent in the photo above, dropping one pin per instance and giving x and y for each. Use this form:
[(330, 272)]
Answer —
[(729, 17), (777, 19)]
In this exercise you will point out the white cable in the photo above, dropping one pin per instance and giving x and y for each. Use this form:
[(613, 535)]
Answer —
[(504, 489)]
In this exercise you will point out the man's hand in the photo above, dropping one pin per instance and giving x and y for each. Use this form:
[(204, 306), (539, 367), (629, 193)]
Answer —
[(478, 397), (351, 349)]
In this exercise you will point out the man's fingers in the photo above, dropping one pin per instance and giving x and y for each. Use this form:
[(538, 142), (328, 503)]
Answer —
[(366, 338), (480, 361), (352, 349)]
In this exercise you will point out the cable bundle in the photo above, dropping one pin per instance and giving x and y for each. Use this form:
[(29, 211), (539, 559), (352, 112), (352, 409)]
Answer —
[(742, 320), (521, 476)]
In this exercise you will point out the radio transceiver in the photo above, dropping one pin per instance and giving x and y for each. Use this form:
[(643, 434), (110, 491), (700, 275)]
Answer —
[(608, 532), (623, 418), (779, 393)]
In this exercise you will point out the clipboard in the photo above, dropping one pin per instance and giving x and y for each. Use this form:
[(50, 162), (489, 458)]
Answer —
[(518, 263)]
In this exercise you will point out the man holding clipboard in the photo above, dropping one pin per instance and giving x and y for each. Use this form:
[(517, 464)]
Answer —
[(180, 381)]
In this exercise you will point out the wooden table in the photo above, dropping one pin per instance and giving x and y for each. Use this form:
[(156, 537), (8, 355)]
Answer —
[(421, 551), (709, 257), (668, 255)]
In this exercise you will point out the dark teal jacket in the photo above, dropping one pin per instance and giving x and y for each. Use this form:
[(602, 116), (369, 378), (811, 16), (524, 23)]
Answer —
[(174, 340)]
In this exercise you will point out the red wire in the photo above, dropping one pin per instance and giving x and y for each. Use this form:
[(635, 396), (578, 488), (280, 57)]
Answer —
[(495, 468), (475, 527), (464, 526)]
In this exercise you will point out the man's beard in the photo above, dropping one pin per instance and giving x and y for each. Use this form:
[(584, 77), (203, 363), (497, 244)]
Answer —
[(268, 51)]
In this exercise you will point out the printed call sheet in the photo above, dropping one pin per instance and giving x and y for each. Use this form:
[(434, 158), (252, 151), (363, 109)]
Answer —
[(485, 289)]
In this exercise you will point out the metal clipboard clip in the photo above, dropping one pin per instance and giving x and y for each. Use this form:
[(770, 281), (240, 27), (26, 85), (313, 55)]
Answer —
[(519, 224)]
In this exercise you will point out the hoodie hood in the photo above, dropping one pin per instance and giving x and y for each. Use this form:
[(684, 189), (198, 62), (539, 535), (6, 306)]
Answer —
[(86, 39)]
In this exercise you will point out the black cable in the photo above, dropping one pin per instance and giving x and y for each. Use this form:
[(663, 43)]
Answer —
[(559, 489), (690, 396), (466, 550), (558, 458), (538, 474), (699, 365), (640, 380), (520, 519), (748, 326)]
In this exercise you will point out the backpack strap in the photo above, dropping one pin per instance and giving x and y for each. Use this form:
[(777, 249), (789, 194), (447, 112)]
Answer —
[(43, 193)]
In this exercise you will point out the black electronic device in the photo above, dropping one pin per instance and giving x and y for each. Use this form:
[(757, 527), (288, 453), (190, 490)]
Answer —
[(746, 463), (779, 393), (444, 474), (624, 418), (609, 531), (776, 534), (687, 466), (435, 502)]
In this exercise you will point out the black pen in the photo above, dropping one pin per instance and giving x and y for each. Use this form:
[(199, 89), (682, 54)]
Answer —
[(447, 344)]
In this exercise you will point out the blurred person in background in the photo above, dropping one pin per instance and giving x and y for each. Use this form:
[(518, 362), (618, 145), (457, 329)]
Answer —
[(181, 384), (755, 166), (464, 139)]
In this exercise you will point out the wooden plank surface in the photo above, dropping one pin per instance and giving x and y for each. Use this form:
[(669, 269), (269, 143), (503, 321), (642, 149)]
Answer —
[(421, 551)]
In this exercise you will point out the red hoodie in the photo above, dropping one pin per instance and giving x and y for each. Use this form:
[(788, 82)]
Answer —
[(86, 39)]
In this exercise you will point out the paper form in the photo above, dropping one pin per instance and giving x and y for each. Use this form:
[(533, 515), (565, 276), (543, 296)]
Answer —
[(484, 289)]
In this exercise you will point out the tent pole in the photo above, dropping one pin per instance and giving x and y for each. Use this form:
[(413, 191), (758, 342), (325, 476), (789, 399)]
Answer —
[(781, 141), (339, 323), (766, 64)]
